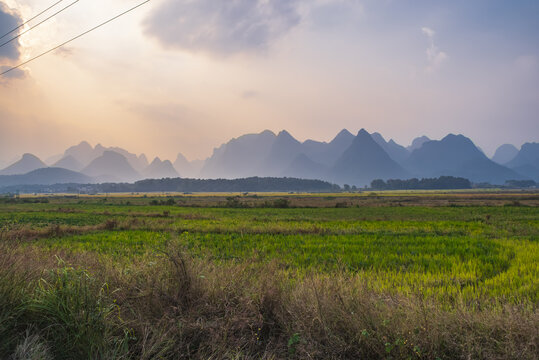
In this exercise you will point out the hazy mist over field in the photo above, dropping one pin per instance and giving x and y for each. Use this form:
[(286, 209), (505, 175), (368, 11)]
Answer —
[(187, 76)]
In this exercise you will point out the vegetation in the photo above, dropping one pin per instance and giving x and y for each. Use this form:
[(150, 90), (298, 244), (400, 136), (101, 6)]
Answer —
[(252, 184), (443, 182), (381, 276), (520, 184)]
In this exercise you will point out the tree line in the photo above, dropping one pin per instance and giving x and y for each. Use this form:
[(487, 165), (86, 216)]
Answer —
[(441, 183)]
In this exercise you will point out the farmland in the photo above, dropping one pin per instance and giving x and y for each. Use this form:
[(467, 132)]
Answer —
[(376, 275)]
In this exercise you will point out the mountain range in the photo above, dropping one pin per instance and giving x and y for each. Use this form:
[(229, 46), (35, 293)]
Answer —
[(347, 159)]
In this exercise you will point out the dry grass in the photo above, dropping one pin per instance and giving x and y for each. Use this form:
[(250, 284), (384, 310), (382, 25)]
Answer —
[(171, 306)]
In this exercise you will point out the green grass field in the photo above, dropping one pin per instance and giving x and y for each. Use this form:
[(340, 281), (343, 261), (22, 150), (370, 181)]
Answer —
[(471, 254)]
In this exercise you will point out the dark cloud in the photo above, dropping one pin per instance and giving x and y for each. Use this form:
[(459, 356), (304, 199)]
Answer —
[(222, 27), (13, 74), (8, 21)]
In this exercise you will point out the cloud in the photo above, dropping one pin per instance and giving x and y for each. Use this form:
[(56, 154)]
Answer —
[(9, 20), (222, 27), (427, 31), (13, 74), (435, 56)]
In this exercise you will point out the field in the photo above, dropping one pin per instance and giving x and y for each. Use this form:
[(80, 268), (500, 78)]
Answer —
[(389, 275)]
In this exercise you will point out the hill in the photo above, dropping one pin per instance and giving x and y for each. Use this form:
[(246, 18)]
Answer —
[(526, 161), (327, 153), (111, 166), (363, 162), (456, 155), (27, 163), (395, 151), (239, 157), (68, 162), (284, 150), (417, 143), (84, 153), (160, 169), (504, 154), (45, 176), (304, 168)]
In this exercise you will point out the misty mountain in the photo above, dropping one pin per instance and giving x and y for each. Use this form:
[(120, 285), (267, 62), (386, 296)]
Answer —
[(139, 163), (27, 163), (51, 160), (111, 167), (365, 161), (186, 168), (327, 153), (84, 153), (283, 151), (526, 162), (417, 143), (456, 155), (68, 162), (356, 160), (160, 169), (395, 151), (143, 160), (46, 176), (504, 154), (304, 168), (240, 157)]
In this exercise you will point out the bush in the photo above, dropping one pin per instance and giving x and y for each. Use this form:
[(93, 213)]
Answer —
[(281, 203)]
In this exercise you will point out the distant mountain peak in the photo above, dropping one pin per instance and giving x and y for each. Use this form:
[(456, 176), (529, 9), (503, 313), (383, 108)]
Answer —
[(267, 132), (418, 142), (84, 143), (68, 162), (100, 147), (284, 133), (505, 153), (364, 161), (27, 163), (364, 133), (452, 139), (28, 156), (457, 155), (527, 161), (343, 136), (344, 132), (160, 169), (111, 166)]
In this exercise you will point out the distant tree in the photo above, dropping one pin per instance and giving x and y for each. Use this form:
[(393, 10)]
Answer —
[(378, 184), (520, 184), (441, 183), (346, 187)]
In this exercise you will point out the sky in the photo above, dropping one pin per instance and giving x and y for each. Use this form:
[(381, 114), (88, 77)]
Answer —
[(188, 75)]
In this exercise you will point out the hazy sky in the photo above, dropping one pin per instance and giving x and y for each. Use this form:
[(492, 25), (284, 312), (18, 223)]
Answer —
[(187, 75)]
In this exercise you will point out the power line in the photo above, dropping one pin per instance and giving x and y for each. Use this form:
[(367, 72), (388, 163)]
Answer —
[(39, 23), (27, 21), (75, 38)]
